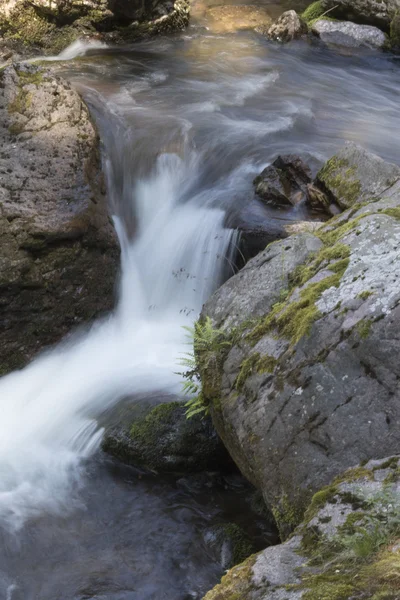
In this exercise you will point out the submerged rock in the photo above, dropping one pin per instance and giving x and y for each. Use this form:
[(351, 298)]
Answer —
[(165, 440), (349, 35), (308, 382), (283, 183), (229, 543), (288, 27), (228, 18), (346, 547), (58, 251)]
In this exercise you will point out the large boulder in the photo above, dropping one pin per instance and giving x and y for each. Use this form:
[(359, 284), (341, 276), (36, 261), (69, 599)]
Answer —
[(346, 548), (307, 381), (283, 183), (349, 35), (58, 251), (370, 12)]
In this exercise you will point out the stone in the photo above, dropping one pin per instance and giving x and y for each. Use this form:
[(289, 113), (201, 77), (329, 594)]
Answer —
[(288, 27), (346, 547), (229, 544), (349, 35), (231, 18), (308, 379), (395, 32), (40, 27), (59, 253), (164, 440), (319, 202), (370, 12), (354, 175), (283, 183)]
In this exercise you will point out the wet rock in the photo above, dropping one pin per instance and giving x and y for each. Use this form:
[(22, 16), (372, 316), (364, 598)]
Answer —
[(395, 32), (319, 202), (346, 547), (354, 175), (349, 35), (228, 18), (59, 253), (308, 385), (288, 27), (283, 184), (165, 440), (370, 12), (229, 543)]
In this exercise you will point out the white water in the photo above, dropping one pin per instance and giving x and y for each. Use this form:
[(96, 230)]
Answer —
[(48, 410)]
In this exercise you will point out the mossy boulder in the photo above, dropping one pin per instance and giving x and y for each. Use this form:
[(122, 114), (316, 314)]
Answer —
[(290, 26), (347, 547), (165, 440), (48, 28), (309, 385), (59, 253)]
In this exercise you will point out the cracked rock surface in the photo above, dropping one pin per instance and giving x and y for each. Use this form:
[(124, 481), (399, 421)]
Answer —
[(310, 384), (58, 250)]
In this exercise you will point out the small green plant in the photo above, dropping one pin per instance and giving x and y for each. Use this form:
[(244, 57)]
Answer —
[(207, 344)]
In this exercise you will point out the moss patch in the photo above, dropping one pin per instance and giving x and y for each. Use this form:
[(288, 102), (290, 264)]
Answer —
[(364, 327), (236, 584), (313, 12), (254, 364), (339, 178)]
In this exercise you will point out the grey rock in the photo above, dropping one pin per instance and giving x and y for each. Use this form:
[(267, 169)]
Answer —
[(288, 27), (58, 253), (324, 546), (349, 35), (162, 439), (328, 395), (371, 12), (354, 175)]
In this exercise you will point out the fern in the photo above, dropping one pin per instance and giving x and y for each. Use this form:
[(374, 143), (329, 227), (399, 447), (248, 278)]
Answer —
[(207, 343)]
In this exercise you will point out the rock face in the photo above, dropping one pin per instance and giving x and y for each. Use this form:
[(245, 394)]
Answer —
[(164, 440), (307, 383), (288, 27), (347, 546), (58, 252), (350, 35), (354, 175), (49, 27), (283, 184), (373, 12)]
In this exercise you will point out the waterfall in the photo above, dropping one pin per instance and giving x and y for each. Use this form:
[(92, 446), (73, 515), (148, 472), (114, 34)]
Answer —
[(171, 261)]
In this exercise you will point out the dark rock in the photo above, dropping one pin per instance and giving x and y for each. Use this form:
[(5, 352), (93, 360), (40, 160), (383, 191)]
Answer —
[(165, 440), (59, 253), (320, 202), (349, 35), (283, 184), (288, 27), (229, 543)]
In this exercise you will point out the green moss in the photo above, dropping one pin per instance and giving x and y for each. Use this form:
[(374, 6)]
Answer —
[(365, 294), (346, 187), (319, 500), (287, 515), (255, 363), (304, 273), (352, 523), (236, 584), (332, 236), (242, 547), (313, 12), (26, 77), (364, 327), (390, 463), (160, 415), (327, 586), (395, 31), (391, 212), (352, 475), (21, 102)]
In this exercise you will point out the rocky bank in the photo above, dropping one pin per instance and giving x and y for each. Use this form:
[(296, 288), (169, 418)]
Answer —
[(59, 253)]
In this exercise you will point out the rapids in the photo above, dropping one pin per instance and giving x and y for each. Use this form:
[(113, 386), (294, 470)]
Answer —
[(186, 123)]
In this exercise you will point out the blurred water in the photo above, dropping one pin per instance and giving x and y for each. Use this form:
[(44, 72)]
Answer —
[(186, 123)]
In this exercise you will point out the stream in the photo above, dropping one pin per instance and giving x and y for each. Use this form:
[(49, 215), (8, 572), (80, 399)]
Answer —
[(186, 123)]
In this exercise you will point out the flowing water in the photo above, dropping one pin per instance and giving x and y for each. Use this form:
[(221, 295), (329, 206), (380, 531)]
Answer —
[(186, 123)]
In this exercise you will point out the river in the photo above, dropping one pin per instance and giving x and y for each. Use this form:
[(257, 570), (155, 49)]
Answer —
[(186, 122)]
